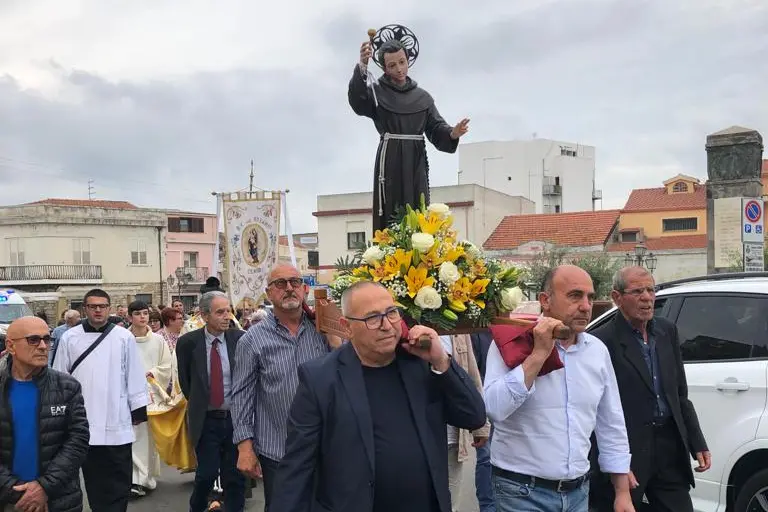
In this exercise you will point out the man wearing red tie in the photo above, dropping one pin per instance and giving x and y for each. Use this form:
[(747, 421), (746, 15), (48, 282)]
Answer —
[(206, 359)]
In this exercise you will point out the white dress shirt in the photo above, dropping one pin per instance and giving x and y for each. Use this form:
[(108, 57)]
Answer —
[(545, 431)]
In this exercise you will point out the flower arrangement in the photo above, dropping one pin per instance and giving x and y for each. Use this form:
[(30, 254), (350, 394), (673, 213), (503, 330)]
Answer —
[(432, 276)]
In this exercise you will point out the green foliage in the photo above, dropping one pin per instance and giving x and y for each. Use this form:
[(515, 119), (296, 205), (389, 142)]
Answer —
[(600, 266), (345, 265)]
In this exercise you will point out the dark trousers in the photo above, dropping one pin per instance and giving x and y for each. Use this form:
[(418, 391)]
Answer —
[(483, 484), (269, 472), (664, 481), (107, 472), (217, 455)]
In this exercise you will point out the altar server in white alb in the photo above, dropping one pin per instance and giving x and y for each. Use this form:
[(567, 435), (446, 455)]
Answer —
[(104, 358), (156, 358)]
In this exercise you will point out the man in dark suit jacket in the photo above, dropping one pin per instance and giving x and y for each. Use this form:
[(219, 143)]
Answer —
[(661, 421), (367, 428), (206, 360)]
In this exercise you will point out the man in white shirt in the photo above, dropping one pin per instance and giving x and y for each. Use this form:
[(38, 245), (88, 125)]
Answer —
[(542, 424), (115, 393)]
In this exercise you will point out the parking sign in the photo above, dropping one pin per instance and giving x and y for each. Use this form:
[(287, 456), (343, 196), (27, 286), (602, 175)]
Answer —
[(752, 220)]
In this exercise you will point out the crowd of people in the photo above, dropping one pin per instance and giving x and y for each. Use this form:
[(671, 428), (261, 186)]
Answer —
[(381, 421)]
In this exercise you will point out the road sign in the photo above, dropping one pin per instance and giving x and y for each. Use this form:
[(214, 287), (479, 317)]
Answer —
[(753, 221), (754, 257)]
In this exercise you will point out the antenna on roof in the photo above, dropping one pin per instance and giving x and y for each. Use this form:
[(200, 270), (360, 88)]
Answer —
[(91, 191)]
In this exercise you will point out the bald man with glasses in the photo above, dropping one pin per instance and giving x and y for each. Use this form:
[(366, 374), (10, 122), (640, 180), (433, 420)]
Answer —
[(266, 376), (43, 426)]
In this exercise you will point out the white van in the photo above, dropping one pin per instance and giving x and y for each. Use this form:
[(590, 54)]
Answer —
[(12, 306)]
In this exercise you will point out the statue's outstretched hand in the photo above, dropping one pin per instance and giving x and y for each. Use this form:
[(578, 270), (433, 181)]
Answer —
[(461, 128), (365, 53)]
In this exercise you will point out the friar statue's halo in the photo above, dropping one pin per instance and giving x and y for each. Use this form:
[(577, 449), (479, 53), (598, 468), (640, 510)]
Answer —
[(397, 34)]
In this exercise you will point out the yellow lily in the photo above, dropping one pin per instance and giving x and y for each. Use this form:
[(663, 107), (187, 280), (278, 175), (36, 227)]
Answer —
[(430, 224), (399, 262), (417, 279), (461, 290), (383, 237), (453, 254), (432, 259), (478, 288)]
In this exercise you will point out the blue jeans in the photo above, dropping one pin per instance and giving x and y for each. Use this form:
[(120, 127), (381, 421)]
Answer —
[(515, 497), (483, 485), (216, 454)]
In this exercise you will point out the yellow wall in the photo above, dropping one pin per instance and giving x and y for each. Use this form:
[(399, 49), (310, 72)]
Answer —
[(652, 225)]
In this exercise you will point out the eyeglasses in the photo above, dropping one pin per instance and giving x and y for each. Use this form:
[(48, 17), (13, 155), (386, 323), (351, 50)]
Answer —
[(637, 292), (375, 321), (282, 284), (97, 307), (35, 339)]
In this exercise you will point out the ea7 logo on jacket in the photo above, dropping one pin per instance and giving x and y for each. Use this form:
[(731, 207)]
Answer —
[(58, 410)]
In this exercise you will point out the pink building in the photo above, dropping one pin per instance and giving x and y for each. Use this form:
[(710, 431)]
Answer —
[(189, 252)]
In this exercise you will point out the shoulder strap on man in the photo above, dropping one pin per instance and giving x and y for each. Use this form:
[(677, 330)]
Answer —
[(107, 329)]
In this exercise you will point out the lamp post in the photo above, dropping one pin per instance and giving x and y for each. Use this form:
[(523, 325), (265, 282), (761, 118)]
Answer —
[(642, 258), (181, 280)]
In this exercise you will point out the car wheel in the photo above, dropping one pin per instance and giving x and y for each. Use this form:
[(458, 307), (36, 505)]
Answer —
[(753, 495)]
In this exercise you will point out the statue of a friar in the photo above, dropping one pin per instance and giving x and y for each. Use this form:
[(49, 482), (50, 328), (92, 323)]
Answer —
[(403, 114)]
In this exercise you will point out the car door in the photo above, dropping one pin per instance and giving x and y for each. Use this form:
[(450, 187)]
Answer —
[(724, 348)]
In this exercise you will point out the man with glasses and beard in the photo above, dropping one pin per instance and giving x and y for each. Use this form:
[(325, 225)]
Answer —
[(103, 357), (266, 376)]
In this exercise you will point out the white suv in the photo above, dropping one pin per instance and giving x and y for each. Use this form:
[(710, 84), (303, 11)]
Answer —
[(722, 320)]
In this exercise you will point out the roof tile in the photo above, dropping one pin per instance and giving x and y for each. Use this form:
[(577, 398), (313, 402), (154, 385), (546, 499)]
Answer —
[(666, 243), (86, 203), (657, 199), (575, 229)]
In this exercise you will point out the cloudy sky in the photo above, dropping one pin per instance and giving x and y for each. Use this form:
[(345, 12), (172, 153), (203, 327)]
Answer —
[(162, 102)]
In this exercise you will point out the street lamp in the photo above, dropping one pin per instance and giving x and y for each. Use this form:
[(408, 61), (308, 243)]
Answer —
[(641, 258), (181, 280)]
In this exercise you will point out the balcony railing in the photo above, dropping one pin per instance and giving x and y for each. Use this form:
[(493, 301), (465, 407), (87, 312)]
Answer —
[(50, 273), (197, 274), (597, 194), (552, 190)]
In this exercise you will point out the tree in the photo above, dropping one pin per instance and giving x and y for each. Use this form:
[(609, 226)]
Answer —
[(600, 267)]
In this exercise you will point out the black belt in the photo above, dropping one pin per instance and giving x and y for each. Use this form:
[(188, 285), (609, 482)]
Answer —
[(532, 481), (218, 414)]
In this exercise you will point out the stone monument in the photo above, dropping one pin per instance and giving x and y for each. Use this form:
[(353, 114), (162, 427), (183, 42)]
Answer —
[(734, 159)]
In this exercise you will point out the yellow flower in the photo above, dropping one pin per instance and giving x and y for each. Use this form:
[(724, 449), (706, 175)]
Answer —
[(363, 271), (431, 259), (383, 237), (453, 254), (417, 279), (399, 262), (381, 273), (479, 268), (478, 288), (430, 224), (461, 290)]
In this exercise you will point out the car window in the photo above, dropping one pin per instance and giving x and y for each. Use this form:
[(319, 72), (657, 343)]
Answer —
[(717, 328)]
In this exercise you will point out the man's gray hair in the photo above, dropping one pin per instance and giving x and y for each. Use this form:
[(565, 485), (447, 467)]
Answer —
[(620, 277), (70, 314), (346, 297), (207, 300)]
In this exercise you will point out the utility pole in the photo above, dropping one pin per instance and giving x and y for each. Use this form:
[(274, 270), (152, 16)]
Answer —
[(90, 190), (250, 187)]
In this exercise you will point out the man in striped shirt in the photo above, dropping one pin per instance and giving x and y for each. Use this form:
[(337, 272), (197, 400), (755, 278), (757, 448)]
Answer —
[(266, 376)]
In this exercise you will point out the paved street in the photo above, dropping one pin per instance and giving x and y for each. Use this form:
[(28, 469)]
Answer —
[(173, 491)]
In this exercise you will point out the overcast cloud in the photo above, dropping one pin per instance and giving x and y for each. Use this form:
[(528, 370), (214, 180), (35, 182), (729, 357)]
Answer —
[(161, 103)]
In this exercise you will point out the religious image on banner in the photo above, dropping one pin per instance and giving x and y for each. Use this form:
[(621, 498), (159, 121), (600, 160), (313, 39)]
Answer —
[(251, 228)]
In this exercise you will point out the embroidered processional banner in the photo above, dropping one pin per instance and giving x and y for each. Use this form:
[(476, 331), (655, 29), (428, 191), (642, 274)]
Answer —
[(251, 229)]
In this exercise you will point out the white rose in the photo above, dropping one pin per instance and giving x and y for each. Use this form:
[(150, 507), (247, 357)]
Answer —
[(471, 249), (422, 242), (511, 298), (440, 209), (373, 254), (449, 273), (428, 298)]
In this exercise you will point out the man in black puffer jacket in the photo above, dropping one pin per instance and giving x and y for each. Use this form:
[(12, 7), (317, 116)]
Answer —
[(43, 426)]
